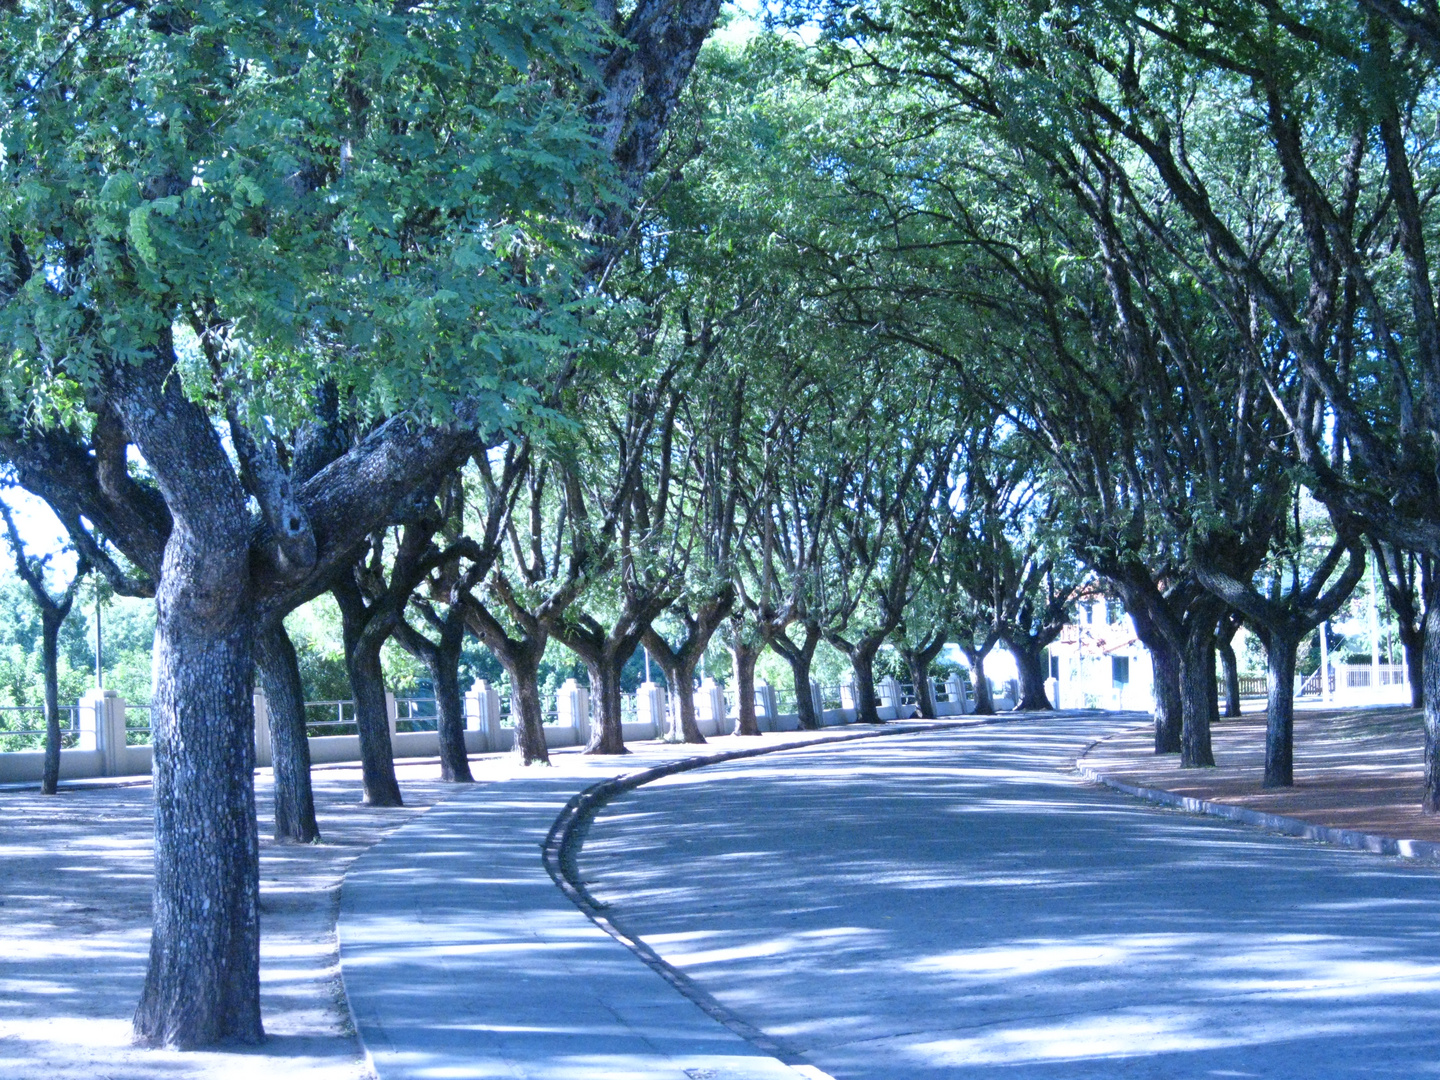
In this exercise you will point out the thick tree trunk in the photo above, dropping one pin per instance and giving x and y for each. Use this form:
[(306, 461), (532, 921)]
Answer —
[(203, 982), (862, 659), (50, 656), (745, 657), (1231, 672), (529, 744), (1280, 713), (1030, 663), (1431, 802), (682, 690), (800, 677), (984, 700), (444, 667), (607, 736), (1169, 713), (1414, 646), (377, 755), (1197, 695), (289, 745), (924, 692)]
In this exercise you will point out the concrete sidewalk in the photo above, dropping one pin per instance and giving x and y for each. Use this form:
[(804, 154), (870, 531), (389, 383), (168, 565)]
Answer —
[(461, 958), (1358, 777)]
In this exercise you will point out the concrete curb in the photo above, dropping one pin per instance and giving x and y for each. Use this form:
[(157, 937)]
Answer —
[(567, 835), (1423, 850)]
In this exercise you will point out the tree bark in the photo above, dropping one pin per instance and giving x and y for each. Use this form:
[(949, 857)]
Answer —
[(745, 657), (924, 692), (1197, 694), (1231, 670), (520, 657), (529, 746), (50, 623), (1280, 651), (984, 700), (1030, 662), (1169, 713), (862, 659), (608, 736), (279, 671), (1431, 802), (1414, 647), (442, 661), (364, 635), (444, 666), (799, 657)]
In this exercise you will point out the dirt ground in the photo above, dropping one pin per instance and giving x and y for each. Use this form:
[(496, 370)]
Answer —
[(1355, 769), (75, 931)]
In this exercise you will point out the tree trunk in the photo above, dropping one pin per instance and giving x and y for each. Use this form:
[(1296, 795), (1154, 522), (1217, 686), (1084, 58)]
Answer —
[(1414, 646), (50, 623), (1232, 678), (682, 689), (1431, 802), (444, 665), (289, 745), (377, 755), (364, 631), (203, 982), (607, 736), (924, 691), (1169, 713), (984, 700), (1197, 694), (529, 744), (1280, 709), (862, 659), (745, 657), (1030, 662)]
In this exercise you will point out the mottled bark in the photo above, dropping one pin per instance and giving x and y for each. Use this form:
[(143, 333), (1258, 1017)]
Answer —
[(1030, 663), (203, 981), (800, 657), (975, 656), (607, 735), (364, 636), (50, 623), (442, 660), (279, 670), (1169, 713), (1230, 671), (1197, 695), (520, 657), (1431, 800), (745, 657), (1280, 648)]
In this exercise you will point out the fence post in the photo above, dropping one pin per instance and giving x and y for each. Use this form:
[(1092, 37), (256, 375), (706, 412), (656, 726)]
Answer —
[(102, 727), (572, 708), (650, 707), (482, 713), (955, 691), (766, 693), (262, 728), (817, 702), (710, 704), (392, 712)]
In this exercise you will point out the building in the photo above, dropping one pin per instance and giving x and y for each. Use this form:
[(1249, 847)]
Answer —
[(1099, 663)]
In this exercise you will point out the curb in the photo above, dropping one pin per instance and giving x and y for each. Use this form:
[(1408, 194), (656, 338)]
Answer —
[(567, 835), (1421, 850)]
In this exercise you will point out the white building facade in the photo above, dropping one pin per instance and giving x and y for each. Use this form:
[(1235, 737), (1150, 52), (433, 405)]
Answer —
[(1099, 663)]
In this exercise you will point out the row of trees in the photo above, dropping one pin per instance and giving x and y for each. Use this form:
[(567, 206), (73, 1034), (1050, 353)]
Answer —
[(511, 323)]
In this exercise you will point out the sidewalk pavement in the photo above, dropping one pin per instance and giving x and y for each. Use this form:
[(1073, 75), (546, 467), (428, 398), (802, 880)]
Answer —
[(461, 958), (1358, 777)]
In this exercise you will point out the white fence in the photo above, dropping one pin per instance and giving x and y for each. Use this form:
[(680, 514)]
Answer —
[(104, 736)]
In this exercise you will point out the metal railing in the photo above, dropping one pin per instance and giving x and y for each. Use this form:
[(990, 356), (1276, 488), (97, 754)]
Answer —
[(31, 736), (141, 733), (416, 714), (328, 718)]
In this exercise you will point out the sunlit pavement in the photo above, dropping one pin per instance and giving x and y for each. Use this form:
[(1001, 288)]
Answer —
[(959, 904)]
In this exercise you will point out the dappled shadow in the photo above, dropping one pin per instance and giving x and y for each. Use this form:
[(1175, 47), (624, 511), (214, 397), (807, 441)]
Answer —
[(953, 905), (75, 935), (461, 958)]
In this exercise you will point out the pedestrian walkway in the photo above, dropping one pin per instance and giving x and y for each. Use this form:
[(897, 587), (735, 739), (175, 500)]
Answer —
[(962, 904), (1356, 771), (461, 957)]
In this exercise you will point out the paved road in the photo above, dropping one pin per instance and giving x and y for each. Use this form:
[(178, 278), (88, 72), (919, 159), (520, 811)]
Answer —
[(955, 904)]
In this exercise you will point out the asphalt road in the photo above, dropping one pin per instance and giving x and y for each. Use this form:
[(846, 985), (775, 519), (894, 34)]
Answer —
[(959, 904)]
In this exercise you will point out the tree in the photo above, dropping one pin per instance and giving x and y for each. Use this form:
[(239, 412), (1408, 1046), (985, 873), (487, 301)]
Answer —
[(226, 225), (53, 613)]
